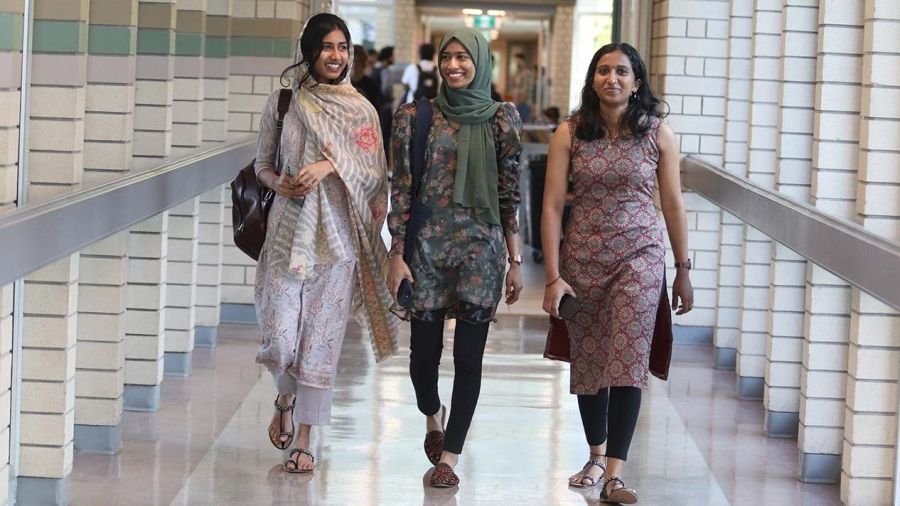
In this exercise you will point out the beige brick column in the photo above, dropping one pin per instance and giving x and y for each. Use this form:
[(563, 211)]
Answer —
[(216, 70), (761, 162), (6, 385), (11, 20), (181, 286), (561, 38), (109, 113), (56, 160), (834, 171), (145, 318), (787, 293), (731, 229), (209, 268), (870, 435), (405, 41), (190, 42), (154, 88), (689, 66)]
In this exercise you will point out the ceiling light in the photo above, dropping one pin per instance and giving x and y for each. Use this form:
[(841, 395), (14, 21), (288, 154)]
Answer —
[(473, 12)]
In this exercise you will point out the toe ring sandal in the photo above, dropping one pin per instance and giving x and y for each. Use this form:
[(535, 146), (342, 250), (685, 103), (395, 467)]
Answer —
[(584, 476), (293, 466), (443, 476), (623, 495), (282, 445)]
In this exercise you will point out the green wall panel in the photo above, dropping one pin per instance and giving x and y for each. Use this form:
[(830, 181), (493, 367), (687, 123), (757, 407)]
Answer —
[(10, 31), (59, 36), (189, 44), (153, 41), (113, 40), (216, 47)]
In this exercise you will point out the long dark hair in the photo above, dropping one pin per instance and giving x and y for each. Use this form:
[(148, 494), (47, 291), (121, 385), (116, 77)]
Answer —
[(316, 29), (641, 106)]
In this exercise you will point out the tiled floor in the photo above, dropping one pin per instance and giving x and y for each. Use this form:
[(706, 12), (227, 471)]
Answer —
[(695, 443)]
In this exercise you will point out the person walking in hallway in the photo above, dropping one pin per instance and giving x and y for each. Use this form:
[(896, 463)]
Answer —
[(469, 195), (323, 255), (613, 258), (420, 79)]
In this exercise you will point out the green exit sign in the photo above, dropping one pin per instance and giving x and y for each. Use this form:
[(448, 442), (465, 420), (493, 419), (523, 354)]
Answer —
[(484, 22)]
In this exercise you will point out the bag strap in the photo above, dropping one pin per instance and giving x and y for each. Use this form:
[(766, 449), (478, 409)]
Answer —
[(424, 116), (284, 103)]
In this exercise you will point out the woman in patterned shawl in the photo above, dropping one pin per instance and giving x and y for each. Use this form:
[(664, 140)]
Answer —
[(470, 186), (323, 257)]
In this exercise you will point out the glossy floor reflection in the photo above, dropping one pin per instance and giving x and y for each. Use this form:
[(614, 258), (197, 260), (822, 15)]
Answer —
[(694, 445)]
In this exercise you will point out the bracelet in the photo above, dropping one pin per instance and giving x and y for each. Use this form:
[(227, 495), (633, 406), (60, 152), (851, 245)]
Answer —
[(548, 285)]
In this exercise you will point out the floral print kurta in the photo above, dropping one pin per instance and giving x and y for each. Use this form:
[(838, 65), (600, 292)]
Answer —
[(459, 260)]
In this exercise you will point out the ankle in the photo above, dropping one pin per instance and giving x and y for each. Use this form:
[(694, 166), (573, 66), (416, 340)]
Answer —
[(451, 459)]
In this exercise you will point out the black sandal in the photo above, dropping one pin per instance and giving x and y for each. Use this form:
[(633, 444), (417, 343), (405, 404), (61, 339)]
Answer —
[(282, 445), (296, 465), (623, 495), (584, 476)]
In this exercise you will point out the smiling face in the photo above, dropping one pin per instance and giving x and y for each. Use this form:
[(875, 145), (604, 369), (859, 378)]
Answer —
[(334, 56), (457, 66), (614, 79)]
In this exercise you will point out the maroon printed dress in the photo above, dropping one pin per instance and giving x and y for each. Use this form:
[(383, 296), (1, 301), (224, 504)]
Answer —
[(613, 256)]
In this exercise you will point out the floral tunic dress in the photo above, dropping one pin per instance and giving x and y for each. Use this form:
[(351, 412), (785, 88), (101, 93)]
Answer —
[(459, 261)]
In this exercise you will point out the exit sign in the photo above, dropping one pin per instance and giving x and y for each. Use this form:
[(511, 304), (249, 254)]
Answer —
[(484, 22)]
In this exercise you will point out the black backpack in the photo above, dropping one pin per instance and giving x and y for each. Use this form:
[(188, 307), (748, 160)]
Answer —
[(427, 86)]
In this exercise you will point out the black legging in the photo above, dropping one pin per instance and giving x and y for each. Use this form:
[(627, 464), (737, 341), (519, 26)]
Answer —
[(617, 406), (425, 347)]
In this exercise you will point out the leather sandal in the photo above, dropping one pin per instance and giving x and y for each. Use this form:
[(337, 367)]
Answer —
[(434, 440), (443, 476), (584, 476), (282, 445), (622, 495), (293, 466)]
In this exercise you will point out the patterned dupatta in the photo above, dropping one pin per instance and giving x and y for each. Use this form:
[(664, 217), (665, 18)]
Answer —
[(342, 126)]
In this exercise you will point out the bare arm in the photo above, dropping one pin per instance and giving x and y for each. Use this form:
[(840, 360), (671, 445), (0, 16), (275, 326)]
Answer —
[(669, 178), (556, 184)]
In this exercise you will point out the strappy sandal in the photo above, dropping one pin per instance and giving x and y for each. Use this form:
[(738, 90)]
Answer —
[(295, 464), (282, 445), (434, 440), (623, 495), (443, 476), (584, 476)]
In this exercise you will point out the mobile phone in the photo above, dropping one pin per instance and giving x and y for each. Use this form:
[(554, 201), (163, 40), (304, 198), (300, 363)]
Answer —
[(404, 293), (568, 307)]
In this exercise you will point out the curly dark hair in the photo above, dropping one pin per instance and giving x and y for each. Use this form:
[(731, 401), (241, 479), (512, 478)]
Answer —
[(641, 106), (316, 29)]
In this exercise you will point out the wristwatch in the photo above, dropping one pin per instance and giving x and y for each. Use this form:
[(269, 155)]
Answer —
[(686, 264), (515, 260)]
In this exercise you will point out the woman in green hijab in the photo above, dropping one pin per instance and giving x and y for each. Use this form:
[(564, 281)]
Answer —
[(469, 191)]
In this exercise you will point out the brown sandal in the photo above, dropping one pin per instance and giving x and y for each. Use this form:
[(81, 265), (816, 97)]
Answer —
[(584, 476), (296, 465), (282, 445), (434, 440), (622, 495), (443, 476)]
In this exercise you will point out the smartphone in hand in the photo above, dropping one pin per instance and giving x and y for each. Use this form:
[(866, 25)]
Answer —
[(568, 307), (404, 294)]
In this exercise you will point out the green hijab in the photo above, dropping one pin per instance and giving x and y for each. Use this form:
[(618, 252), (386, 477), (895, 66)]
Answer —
[(472, 107)]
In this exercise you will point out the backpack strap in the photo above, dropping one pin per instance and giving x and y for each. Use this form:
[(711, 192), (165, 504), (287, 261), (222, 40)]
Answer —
[(284, 103), (424, 116)]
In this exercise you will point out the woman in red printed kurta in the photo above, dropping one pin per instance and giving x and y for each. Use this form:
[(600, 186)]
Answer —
[(613, 260)]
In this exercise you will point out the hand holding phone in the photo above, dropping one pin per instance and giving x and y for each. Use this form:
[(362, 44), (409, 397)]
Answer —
[(568, 307)]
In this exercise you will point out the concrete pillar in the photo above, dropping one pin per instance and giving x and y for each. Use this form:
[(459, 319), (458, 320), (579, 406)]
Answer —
[(146, 313), (787, 293), (56, 160), (559, 73), (11, 20), (190, 42), (209, 269), (6, 384), (216, 70), (827, 317), (154, 87), (689, 66), (870, 435), (109, 113), (405, 41), (761, 162), (181, 286), (731, 229)]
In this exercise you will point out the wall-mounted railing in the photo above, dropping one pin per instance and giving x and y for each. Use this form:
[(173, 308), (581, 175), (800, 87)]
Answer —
[(38, 234)]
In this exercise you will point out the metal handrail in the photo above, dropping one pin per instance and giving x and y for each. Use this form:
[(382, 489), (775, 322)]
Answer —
[(849, 251), (38, 234)]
